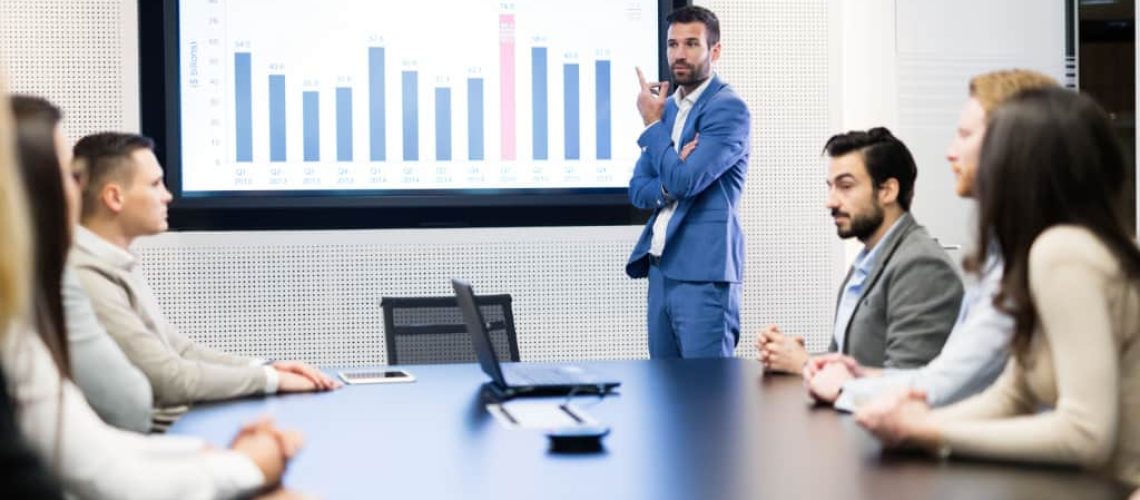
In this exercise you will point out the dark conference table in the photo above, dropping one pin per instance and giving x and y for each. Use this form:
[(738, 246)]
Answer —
[(696, 429)]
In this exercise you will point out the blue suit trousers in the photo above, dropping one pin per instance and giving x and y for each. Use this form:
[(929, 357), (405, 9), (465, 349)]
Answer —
[(692, 319)]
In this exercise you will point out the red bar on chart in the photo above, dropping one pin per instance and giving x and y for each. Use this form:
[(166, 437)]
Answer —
[(507, 83)]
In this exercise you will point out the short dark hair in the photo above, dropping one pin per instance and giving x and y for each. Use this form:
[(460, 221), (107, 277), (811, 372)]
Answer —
[(695, 14), (884, 156), (105, 156)]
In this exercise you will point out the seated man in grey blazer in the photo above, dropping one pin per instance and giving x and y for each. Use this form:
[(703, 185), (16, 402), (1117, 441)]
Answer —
[(124, 198), (900, 298)]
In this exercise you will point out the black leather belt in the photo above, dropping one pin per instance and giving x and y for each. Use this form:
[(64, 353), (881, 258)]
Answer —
[(654, 260)]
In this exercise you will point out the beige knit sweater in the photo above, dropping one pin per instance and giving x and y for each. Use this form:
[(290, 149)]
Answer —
[(1075, 398)]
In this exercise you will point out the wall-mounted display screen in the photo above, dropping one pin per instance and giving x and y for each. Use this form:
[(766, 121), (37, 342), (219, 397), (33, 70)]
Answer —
[(305, 114), (297, 96)]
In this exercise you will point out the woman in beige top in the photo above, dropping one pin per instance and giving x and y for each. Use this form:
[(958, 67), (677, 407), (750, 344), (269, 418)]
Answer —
[(1050, 188)]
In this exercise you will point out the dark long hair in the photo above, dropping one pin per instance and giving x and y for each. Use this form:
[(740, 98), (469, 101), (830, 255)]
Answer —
[(1049, 157), (36, 120)]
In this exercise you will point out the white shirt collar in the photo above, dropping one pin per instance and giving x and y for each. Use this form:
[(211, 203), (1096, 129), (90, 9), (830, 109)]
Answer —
[(691, 97), (92, 243)]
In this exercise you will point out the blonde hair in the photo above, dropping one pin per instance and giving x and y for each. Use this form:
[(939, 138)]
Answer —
[(15, 259), (995, 87)]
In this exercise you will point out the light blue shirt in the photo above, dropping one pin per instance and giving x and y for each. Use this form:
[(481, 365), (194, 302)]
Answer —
[(853, 288), (974, 355)]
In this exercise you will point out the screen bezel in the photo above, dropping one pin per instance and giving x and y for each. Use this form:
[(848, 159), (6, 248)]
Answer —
[(160, 83)]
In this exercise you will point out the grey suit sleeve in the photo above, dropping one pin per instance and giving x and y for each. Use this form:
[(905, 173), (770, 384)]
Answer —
[(117, 391), (925, 295), (175, 380)]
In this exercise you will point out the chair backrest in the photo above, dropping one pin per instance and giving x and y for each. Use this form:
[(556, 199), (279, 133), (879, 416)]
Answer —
[(430, 330)]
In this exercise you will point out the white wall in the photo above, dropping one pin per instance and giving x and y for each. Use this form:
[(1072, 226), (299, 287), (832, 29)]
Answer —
[(907, 64)]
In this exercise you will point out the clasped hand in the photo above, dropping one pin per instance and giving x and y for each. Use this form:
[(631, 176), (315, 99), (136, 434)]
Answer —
[(779, 352), (269, 447)]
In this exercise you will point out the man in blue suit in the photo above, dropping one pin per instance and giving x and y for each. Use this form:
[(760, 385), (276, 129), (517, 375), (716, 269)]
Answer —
[(692, 248)]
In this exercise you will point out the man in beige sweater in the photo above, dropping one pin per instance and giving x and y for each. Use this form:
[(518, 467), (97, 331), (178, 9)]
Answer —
[(124, 198)]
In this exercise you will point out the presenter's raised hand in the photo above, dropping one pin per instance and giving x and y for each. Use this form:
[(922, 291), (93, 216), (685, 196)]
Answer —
[(651, 98)]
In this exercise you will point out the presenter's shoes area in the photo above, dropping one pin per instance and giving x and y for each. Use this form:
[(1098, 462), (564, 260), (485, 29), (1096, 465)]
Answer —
[(577, 439)]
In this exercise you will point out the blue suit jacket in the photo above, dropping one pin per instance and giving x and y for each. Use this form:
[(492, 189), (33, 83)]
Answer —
[(704, 241)]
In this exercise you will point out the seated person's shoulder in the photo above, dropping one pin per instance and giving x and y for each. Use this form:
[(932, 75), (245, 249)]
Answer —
[(918, 246), (1067, 244)]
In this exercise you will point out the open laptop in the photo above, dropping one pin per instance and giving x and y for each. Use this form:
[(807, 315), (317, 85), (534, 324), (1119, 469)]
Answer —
[(513, 379)]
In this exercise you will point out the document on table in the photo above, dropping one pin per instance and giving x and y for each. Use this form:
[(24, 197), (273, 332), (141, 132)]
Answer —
[(539, 414)]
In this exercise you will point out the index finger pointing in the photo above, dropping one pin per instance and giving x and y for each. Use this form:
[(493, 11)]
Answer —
[(641, 78)]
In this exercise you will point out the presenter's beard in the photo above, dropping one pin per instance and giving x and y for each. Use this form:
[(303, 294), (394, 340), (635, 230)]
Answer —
[(694, 77)]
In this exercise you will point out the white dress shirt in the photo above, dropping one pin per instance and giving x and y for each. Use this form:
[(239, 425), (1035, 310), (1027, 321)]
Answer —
[(973, 357), (684, 106)]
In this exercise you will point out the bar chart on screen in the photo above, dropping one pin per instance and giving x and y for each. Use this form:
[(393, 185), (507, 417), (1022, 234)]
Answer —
[(434, 94)]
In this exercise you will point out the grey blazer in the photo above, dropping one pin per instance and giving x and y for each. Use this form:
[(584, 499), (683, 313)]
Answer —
[(909, 303)]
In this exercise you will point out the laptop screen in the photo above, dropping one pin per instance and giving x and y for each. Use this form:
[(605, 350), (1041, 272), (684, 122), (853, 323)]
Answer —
[(477, 328)]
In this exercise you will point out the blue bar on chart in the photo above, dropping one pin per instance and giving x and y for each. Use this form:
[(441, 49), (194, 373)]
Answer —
[(604, 128), (475, 118), (571, 110), (538, 101), (311, 124), (442, 123), (276, 117), (378, 149), (343, 124), (243, 106), (411, 115)]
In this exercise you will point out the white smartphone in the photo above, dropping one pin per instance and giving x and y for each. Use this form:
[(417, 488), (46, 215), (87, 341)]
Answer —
[(376, 377)]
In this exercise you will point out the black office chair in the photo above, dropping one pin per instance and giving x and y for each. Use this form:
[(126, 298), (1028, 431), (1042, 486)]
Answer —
[(430, 330)]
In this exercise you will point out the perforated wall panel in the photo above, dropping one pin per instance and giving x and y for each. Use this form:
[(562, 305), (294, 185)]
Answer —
[(80, 54), (315, 295), (776, 54)]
